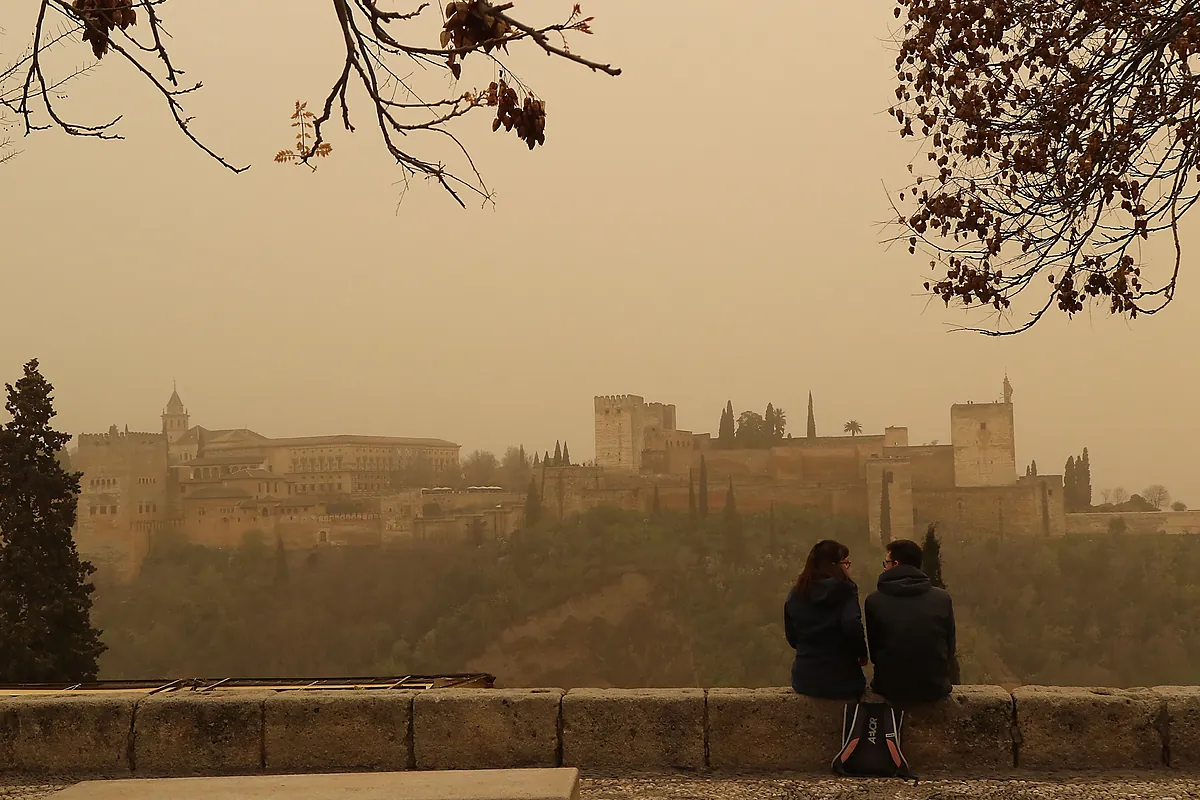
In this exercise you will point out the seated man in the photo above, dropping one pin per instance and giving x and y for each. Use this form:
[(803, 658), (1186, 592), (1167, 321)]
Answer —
[(910, 630)]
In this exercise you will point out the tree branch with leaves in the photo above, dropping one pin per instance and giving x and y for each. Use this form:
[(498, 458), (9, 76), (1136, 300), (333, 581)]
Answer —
[(1056, 138), (376, 39)]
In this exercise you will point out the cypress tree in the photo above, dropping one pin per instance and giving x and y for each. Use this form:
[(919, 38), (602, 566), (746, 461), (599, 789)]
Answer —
[(731, 512), (1085, 482), (566, 457), (735, 540), (557, 455), (769, 425), (691, 500), (282, 577), (931, 561), (885, 510), (703, 488), (812, 419), (1033, 468), (1068, 483), (533, 504), (656, 509), (536, 460), (46, 634), (727, 430), (523, 456)]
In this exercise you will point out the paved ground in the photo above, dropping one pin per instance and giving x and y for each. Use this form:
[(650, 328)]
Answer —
[(689, 788), (679, 788)]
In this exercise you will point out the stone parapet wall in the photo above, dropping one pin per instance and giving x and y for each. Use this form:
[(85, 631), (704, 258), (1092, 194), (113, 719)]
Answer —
[(979, 730)]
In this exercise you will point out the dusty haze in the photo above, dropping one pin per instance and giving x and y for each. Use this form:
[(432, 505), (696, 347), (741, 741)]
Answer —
[(702, 228)]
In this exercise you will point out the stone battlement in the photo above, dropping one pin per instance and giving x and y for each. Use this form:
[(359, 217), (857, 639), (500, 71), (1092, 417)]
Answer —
[(120, 438), (614, 402), (979, 730)]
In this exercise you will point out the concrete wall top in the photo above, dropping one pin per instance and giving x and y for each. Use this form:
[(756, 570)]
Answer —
[(978, 730)]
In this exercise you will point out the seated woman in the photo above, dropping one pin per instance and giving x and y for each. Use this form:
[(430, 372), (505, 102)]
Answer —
[(823, 624)]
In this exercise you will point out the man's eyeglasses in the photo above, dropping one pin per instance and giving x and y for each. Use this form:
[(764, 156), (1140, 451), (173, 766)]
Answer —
[(888, 563)]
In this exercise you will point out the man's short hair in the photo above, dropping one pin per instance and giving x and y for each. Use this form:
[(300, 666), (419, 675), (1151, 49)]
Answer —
[(906, 552)]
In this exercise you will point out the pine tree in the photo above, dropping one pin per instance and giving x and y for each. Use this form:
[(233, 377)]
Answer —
[(566, 457), (557, 454), (656, 509), (691, 500), (703, 488), (533, 504), (812, 419), (46, 634)]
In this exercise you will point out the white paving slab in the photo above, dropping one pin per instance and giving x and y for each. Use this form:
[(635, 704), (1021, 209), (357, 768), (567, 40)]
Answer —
[(497, 784)]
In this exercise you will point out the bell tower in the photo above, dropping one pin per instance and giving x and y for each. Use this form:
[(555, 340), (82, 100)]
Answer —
[(174, 418)]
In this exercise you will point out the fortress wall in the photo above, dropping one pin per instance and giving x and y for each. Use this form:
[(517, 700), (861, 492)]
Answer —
[(1172, 522), (977, 731)]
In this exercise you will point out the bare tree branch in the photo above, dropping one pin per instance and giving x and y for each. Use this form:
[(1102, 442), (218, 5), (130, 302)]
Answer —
[(370, 37)]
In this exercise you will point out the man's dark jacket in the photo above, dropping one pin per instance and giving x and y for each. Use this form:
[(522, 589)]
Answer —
[(825, 628), (910, 629)]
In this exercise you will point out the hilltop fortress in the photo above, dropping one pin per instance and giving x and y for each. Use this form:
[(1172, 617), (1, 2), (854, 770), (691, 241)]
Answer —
[(971, 484), (216, 487)]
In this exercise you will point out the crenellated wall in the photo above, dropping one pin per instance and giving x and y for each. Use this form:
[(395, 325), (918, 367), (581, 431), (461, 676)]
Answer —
[(979, 730)]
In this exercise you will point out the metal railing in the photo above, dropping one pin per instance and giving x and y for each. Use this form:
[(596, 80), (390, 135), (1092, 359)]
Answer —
[(480, 680)]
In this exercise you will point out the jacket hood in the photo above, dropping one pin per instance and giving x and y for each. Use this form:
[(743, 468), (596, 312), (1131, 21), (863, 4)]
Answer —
[(904, 581), (829, 591)]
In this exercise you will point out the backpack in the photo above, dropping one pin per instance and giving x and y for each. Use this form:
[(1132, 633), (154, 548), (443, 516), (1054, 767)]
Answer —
[(871, 743)]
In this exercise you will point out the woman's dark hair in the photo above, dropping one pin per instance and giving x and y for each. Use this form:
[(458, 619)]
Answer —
[(824, 561)]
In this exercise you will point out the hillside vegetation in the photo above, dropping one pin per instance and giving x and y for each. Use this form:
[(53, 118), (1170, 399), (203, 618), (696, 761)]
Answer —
[(617, 599)]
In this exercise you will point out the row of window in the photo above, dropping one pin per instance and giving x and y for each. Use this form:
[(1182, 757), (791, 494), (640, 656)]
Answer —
[(143, 508)]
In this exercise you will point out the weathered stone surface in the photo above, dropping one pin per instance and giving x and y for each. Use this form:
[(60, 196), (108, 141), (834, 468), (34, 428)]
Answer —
[(198, 734), (486, 728), (337, 731), (524, 784), (772, 730), (1182, 724), (1064, 729), (968, 732), (633, 729), (73, 735)]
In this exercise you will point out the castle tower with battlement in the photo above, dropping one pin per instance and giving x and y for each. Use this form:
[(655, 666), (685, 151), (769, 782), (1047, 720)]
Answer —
[(984, 439), (624, 424)]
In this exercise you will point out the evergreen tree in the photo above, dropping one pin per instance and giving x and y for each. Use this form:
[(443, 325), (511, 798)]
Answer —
[(769, 426), (691, 500), (931, 560), (656, 509), (546, 459), (566, 457), (1033, 468), (1069, 487), (533, 504), (557, 455), (1084, 498), (885, 509), (727, 430), (731, 513), (46, 634), (812, 419), (536, 460), (735, 539), (523, 461), (282, 577), (703, 488)]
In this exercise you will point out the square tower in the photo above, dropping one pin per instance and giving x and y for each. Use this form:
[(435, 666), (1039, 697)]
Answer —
[(984, 444)]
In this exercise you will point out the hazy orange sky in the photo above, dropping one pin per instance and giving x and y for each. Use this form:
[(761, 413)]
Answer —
[(702, 228)]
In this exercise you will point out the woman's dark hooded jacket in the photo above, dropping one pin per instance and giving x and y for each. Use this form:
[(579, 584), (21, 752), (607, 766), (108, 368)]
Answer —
[(825, 628)]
